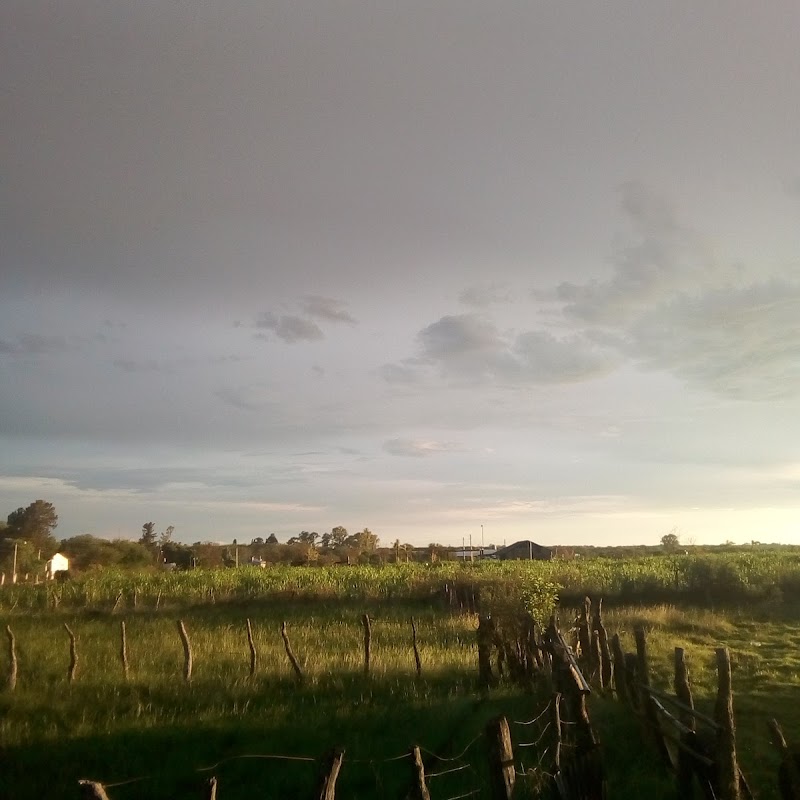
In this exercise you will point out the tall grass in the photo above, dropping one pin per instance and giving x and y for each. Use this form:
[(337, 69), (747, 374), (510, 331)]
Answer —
[(713, 578)]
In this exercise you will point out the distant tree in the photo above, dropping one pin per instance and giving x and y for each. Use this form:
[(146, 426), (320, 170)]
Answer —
[(166, 537), (34, 524), (86, 552), (149, 536), (338, 536), (272, 539), (670, 541), (259, 540), (305, 537)]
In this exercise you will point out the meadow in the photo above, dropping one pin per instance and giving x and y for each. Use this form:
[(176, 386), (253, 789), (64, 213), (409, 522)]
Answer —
[(153, 734)]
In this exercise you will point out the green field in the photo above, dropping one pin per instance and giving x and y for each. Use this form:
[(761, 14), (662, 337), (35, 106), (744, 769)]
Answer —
[(162, 733)]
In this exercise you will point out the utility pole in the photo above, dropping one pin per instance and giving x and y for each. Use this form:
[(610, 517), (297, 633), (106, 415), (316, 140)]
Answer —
[(471, 553), (14, 569)]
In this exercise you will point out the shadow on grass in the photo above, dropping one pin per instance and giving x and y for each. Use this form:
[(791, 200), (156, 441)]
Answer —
[(376, 724)]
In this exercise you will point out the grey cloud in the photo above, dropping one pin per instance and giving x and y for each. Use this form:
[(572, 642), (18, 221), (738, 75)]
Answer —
[(544, 358), (470, 347), (417, 448), (409, 371), (26, 344), (327, 308), (792, 185), (742, 342), (459, 335), (137, 365), (290, 328), (254, 397), (484, 296), (666, 257)]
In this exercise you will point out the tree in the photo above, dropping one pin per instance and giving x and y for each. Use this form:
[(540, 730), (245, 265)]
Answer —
[(166, 537), (670, 541), (148, 537), (305, 537), (34, 524), (272, 539)]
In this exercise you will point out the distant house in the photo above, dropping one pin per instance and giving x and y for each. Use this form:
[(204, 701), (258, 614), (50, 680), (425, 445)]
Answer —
[(524, 550), (57, 563)]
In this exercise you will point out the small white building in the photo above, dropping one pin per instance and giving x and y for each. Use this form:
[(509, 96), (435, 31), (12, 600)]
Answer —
[(57, 563)]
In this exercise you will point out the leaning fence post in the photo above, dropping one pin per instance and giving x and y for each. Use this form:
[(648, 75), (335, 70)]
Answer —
[(73, 655), (728, 768), (187, 651), (417, 659), (556, 701), (419, 788), (329, 768), (252, 645), (286, 646), (789, 775), (91, 790), (645, 700), (11, 681), (123, 649), (501, 759), (367, 641)]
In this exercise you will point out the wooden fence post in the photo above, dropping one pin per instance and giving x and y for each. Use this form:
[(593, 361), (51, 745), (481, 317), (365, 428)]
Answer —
[(597, 658), (417, 660), (91, 790), (329, 768), (123, 649), (419, 788), (620, 678), (728, 768), (584, 633), (295, 665), (501, 759), (606, 664), (73, 655), (187, 651), (252, 645), (211, 789), (11, 681), (485, 639), (367, 641)]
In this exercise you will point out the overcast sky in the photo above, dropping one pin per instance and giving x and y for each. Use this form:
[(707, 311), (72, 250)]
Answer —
[(421, 266)]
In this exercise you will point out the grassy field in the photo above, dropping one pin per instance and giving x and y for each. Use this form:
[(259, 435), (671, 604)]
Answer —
[(156, 728)]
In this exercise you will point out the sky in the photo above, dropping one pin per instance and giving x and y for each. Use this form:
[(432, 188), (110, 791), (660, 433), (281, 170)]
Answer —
[(449, 269)]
